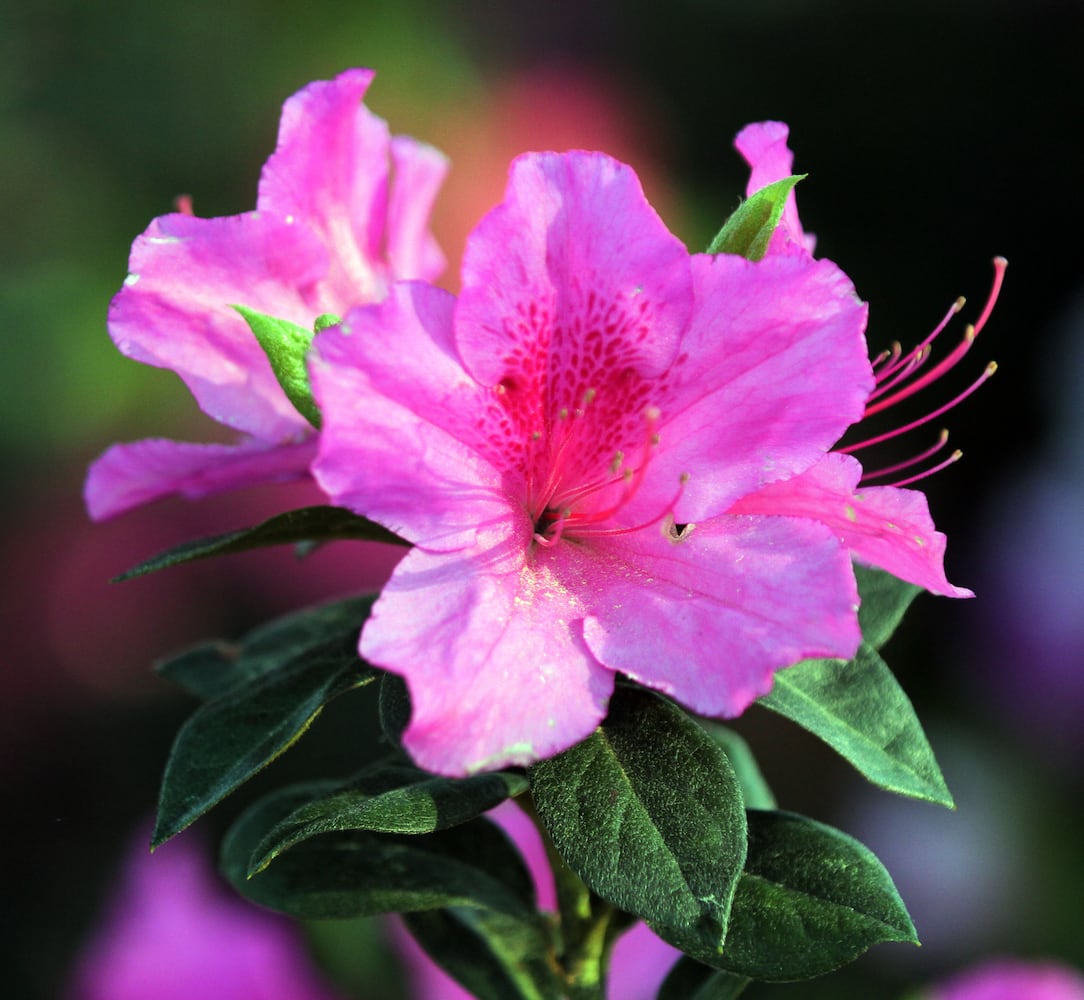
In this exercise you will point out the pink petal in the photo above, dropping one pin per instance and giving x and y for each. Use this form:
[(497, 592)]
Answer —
[(773, 369), (764, 146), (174, 310), (709, 618), (419, 171), (128, 475), (492, 653), (404, 433), (571, 277), (881, 525)]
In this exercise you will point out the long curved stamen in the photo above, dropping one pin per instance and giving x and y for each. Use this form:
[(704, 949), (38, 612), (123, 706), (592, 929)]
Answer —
[(900, 466), (954, 457), (896, 362), (667, 511)]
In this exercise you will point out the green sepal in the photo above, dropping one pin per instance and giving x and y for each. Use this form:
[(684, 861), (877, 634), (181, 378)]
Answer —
[(749, 229), (692, 980), (493, 956), (286, 345), (213, 668), (356, 873), (859, 709), (389, 797), (811, 899), (325, 320), (754, 788), (648, 813), (885, 599), (307, 524), (230, 738)]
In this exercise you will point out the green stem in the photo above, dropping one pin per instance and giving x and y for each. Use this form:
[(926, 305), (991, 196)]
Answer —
[(584, 941)]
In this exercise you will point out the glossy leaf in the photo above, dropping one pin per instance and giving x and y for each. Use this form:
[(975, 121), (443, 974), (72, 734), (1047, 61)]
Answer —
[(749, 229), (308, 524), (286, 345), (358, 873), (493, 956), (647, 811), (885, 600), (390, 798), (692, 980), (811, 899), (228, 739), (859, 709), (213, 668)]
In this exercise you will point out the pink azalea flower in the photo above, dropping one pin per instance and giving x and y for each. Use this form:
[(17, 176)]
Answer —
[(332, 227), (1012, 979), (611, 456), (174, 933)]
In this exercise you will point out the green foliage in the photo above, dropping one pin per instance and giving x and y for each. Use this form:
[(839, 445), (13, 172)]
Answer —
[(287, 345), (306, 525), (394, 707), (885, 600), (261, 703), (749, 229), (358, 873), (754, 789), (493, 956), (648, 812), (691, 980), (810, 900), (389, 797)]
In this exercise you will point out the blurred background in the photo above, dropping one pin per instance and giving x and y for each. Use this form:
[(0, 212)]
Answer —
[(936, 134)]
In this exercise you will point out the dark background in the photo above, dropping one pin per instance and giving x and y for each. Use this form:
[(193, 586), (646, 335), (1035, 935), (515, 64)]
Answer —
[(935, 135)]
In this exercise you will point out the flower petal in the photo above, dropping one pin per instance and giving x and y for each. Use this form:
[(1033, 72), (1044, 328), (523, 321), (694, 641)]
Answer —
[(764, 146), (493, 656), (709, 617), (772, 371), (882, 525), (403, 436), (128, 475), (412, 250)]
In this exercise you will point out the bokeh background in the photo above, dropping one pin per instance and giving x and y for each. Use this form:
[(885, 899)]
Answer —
[(936, 134)]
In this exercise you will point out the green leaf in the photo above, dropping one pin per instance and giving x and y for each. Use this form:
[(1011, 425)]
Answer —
[(286, 345), (309, 524), (692, 980), (811, 900), (885, 599), (213, 668), (230, 738), (859, 709), (754, 789), (749, 230), (394, 707), (390, 798), (647, 811), (493, 956), (357, 873)]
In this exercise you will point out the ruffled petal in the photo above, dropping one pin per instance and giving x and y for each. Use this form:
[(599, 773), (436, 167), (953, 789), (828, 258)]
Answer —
[(404, 429), (491, 650), (710, 616), (174, 310), (881, 525), (412, 250), (128, 475), (773, 370)]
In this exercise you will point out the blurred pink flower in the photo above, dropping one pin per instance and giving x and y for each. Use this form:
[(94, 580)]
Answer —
[(611, 456), (331, 228), (173, 932), (1012, 979)]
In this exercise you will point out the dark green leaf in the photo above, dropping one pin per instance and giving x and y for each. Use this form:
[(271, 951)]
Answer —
[(811, 899), (227, 740), (493, 956), (361, 874), (390, 798), (885, 599), (754, 789), (749, 230), (859, 709), (286, 345), (394, 707), (309, 524), (647, 811), (213, 668), (692, 980)]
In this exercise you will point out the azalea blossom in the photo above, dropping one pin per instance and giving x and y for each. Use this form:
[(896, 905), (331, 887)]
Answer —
[(342, 210), (1012, 979), (610, 456)]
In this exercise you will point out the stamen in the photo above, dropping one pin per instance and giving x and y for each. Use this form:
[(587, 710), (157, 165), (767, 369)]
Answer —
[(954, 457), (900, 466), (667, 511), (183, 204)]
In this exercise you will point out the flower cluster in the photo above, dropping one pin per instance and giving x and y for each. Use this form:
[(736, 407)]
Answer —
[(610, 456)]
